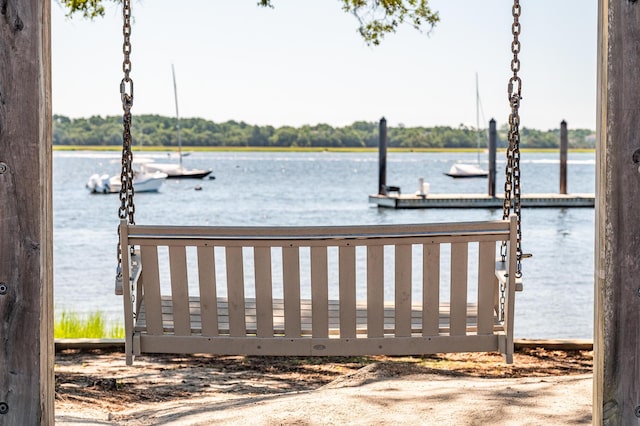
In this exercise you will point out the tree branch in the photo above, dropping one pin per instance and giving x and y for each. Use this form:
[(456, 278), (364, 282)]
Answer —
[(376, 18)]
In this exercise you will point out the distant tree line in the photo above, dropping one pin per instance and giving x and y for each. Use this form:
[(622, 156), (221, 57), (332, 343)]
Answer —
[(160, 131)]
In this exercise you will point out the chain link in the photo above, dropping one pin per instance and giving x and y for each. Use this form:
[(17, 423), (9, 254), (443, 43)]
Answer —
[(503, 289), (127, 208), (512, 187)]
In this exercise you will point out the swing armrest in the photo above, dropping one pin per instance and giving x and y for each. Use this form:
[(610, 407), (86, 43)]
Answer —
[(136, 270), (501, 275), (118, 290)]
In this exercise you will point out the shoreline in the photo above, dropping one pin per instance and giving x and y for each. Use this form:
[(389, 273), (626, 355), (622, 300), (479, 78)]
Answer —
[(117, 148)]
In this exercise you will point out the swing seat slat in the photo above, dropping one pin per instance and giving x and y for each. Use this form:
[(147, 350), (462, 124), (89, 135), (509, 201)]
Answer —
[(252, 320), (386, 289)]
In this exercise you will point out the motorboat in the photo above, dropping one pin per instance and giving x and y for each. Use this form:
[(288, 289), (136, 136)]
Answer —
[(143, 181), (466, 171)]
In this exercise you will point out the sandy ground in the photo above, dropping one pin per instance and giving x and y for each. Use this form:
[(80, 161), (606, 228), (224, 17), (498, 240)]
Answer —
[(540, 388)]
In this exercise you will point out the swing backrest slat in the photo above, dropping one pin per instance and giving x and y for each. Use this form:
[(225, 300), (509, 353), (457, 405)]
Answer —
[(151, 281), (207, 289), (319, 292), (486, 295)]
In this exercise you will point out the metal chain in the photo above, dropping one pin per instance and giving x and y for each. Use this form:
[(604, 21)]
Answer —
[(512, 188), (503, 299), (127, 207)]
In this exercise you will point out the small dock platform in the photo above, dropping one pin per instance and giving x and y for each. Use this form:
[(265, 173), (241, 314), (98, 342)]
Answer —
[(480, 201)]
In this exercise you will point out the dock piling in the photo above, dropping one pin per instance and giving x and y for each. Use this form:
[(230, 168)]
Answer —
[(564, 144), (382, 160), (493, 142)]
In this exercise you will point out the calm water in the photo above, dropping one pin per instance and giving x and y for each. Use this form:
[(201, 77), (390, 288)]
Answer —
[(329, 189)]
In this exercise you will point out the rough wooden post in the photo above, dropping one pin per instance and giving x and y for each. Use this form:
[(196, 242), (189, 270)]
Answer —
[(493, 142), (616, 396), (26, 275), (564, 145), (382, 158)]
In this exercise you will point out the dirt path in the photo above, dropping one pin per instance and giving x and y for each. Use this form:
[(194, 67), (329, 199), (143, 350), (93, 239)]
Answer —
[(541, 387)]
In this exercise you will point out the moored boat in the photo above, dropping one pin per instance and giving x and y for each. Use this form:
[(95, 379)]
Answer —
[(143, 181), (173, 170), (177, 171), (472, 170), (466, 171)]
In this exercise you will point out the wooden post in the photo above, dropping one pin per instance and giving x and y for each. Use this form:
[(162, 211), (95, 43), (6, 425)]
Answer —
[(382, 158), (493, 142), (564, 144), (616, 391), (26, 273)]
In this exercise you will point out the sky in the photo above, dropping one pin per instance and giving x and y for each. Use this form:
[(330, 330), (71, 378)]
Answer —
[(303, 62)]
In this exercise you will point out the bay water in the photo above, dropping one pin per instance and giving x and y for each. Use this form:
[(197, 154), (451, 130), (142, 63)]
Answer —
[(326, 188)]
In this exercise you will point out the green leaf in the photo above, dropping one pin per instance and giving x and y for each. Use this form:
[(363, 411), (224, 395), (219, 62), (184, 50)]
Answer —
[(376, 18)]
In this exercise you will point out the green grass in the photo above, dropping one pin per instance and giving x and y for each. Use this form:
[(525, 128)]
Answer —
[(70, 325)]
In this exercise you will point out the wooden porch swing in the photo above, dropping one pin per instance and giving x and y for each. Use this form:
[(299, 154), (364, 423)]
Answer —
[(173, 318)]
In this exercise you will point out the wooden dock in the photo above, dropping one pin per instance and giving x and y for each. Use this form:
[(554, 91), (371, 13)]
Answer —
[(480, 201)]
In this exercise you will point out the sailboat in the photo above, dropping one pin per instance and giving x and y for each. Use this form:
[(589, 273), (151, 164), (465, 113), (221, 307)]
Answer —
[(173, 170), (473, 170)]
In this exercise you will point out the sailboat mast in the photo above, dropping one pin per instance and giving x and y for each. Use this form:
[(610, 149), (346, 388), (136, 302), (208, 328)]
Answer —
[(175, 95), (478, 117)]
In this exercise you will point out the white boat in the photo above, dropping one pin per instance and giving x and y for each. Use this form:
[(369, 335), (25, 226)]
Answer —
[(466, 171), (472, 170), (173, 170), (143, 181), (176, 171)]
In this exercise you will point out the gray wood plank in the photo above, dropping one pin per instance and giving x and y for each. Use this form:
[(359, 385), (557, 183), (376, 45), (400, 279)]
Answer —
[(281, 236), (319, 347), (207, 287), (264, 292), (387, 316), (459, 272), (431, 289), (179, 289), (347, 290), (27, 383), (235, 291), (375, 291), (487, 283), (291, 283), (151, 277), (320, 291), (617, 312), (403, 263)]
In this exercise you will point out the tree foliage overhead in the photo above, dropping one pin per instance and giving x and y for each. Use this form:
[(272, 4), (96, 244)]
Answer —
[(88, 8), (380, 17), (376, 18)]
